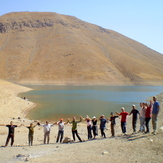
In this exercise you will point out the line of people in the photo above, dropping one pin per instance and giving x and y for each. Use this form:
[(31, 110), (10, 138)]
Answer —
[(147, 112)]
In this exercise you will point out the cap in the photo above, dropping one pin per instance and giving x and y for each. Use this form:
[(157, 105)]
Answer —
[(93, 117)]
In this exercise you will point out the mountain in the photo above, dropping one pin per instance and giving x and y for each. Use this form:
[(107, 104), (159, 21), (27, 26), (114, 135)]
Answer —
[(50, 48)]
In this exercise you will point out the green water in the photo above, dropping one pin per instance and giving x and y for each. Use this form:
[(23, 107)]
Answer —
[(54, 102)]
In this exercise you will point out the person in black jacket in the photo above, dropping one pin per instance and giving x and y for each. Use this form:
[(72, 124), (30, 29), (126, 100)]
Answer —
[(11, 130), (112, 124)]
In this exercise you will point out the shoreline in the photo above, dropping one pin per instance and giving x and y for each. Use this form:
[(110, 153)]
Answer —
[(13, 106), (58, 115), (131, 148)]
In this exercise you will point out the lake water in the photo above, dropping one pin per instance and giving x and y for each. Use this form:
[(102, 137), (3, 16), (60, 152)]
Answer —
[(54, 102)]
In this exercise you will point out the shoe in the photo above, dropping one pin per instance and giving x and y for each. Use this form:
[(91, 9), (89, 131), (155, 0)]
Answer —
[(154, 133)]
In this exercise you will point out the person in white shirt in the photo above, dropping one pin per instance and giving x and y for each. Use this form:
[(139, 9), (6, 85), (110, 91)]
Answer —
[(47, 127), (89, 126), (60, 130), (142, 117)]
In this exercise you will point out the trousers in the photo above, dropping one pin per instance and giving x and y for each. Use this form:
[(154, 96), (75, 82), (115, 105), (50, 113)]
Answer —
[(10, 136)]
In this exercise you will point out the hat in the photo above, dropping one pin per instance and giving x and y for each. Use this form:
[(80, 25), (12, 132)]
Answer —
[(111, 113), (61, 119), (93, 117)]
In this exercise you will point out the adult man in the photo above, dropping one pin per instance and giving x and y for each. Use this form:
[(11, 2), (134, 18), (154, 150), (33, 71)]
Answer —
[(60, 130), (155, 112), (123, 115), (11, 131), (47, 127), (74, 128), (134, 113)]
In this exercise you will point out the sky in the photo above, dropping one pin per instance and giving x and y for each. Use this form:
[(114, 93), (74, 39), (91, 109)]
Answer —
[(140, 20)]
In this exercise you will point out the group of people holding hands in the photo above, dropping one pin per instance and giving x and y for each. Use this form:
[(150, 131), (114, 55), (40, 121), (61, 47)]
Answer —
[(146, 112)]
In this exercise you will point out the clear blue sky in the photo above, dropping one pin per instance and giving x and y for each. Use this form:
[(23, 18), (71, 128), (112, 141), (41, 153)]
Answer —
[(141, 20)]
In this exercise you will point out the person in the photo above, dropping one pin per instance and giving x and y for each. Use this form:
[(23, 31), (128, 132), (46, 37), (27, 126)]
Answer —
[(148, 115), (25, 98), (142, 117), (112, 124), (135, 114), (47, 129), (123, 115), (11, 131), (74, 128), (94, 127), (89, 126), (155, 112), (103, 122), (60, 130), (31, 133)]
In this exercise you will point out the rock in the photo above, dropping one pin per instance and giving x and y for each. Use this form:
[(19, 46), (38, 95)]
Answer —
[(105, 152), (21, 155), (27, 159), (161, 128), (67, 140)]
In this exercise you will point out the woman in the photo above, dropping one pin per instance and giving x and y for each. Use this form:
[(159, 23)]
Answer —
[(74, 128), (148, 115), (94, 127), (31, 133), (142, 117), (89, 126)]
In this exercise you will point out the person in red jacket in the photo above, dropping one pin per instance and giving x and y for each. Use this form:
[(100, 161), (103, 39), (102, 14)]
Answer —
[(123, 115), (148, 115)]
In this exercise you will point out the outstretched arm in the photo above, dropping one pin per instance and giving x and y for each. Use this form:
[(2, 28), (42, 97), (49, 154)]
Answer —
[(81, 118), (66, 123), (2, 125), (20, 125)]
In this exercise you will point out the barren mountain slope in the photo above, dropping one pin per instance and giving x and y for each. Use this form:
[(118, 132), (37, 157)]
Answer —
[(49, 48)]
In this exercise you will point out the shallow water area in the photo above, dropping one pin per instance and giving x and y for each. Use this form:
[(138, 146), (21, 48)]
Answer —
[(54, 102)]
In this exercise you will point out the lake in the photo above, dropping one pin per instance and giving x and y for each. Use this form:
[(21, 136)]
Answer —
[(54, 102)]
